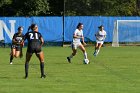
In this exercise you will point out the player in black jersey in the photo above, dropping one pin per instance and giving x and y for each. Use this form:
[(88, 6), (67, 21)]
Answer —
[(35, 42), (17, 44)]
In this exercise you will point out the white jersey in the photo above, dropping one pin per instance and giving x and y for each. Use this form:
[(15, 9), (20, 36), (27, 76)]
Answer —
[(77, 32), (100, 35)]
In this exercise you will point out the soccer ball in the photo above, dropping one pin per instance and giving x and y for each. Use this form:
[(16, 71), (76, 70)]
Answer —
[(86, 61)]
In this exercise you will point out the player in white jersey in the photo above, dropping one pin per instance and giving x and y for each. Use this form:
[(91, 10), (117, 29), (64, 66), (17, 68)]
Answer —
[(77, 36), (100, 37)]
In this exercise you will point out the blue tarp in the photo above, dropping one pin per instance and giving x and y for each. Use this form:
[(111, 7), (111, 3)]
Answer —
[(91, 24), (52, 28)]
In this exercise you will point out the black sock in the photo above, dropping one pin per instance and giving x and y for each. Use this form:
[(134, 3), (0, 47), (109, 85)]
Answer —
[(11, 58), (21, 54), (42, 68), (26, 69)]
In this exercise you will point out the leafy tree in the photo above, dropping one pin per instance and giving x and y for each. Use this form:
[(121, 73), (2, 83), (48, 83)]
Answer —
[(70, 7), (5, 7), (24, 7), (31, 7), (102, 7), (56, 7), (76, 7)]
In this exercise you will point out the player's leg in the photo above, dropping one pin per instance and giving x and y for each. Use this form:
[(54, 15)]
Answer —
[(96, 48), (28, 57), (74, 49), (18, 51), (12, 54), (83, 50), (17, 54), (71, 56), (21, 53), (40, 56), (100, 45)]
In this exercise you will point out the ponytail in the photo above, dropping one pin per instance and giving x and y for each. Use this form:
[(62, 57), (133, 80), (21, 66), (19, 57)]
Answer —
[(29, 28)]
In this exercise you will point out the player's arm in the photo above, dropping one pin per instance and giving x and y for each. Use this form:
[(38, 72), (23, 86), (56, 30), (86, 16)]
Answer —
[(42, 41), (76, 36), (22, 42), (83, 41), (24, 38), (14, 39), (105, 36), (97, 36)]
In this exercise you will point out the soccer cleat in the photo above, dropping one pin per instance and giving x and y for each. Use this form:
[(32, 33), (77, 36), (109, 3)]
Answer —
[(94, 54), (26, 77), (68, 59), (43, 76), (11, 63)]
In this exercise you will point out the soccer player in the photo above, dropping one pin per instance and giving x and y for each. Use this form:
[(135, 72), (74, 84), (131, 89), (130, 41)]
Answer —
[(77, 36), (35, 42), (100, 37), (17, 44)]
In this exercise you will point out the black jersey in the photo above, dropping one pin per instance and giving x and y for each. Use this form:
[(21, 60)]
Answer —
[(34, 39), (18, 37)]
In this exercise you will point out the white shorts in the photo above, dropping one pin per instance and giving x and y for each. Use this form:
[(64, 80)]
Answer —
[(101, 42), (75, 45)]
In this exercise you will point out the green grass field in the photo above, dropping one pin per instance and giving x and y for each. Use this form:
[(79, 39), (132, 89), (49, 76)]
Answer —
[(114, 70)]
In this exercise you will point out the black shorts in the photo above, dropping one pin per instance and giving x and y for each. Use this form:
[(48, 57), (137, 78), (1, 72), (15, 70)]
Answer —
[(33, 50), (17, 47)]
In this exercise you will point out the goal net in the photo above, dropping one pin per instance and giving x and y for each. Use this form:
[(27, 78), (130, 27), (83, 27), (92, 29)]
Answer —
[(126, 32)]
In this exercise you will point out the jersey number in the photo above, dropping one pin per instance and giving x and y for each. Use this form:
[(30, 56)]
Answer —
[(33, 37)]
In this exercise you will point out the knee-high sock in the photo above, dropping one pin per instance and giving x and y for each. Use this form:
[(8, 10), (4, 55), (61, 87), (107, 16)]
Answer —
[(97, 51), (71, 56), (26, 68), (11, 58), (42, 68), (85, 55)]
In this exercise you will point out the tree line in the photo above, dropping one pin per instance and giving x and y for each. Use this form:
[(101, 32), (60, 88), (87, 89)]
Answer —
[(69, 7)]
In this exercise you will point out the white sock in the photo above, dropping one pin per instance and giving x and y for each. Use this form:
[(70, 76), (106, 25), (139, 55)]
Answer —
[(97, 52), (85, 55)]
